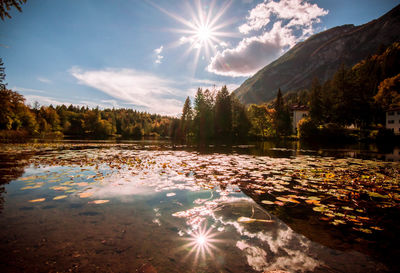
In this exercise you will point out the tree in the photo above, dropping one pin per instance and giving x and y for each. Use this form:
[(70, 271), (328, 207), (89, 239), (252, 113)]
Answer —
[(223, 113), (345, 103), (186, 119), (240, 120), (6, 5), (203, 123), (307, 129), (388, 95), (316, 110), (11, 103), (282, 116), (261, 120)]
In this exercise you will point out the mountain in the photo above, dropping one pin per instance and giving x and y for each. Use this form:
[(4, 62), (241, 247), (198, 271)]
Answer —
[(320, 56)]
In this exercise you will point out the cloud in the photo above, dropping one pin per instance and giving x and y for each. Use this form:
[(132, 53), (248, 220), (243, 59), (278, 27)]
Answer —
[(44, 80), (22, 89), (159, 50), (44, 100), (144, 90), (298, 12), (252, 53), (274, 27), (208, 84), (159, 57)]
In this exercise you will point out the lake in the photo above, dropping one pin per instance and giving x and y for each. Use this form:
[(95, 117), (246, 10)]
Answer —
[(154, 206)]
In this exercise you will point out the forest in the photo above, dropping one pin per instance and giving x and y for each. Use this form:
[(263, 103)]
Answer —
[(356, 96)]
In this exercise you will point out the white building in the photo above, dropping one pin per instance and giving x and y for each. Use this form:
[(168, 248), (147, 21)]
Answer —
[(393, 120), (298, 113)]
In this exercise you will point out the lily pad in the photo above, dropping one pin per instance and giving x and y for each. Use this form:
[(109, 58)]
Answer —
[(267, 202), (60, 197), (37, 200)]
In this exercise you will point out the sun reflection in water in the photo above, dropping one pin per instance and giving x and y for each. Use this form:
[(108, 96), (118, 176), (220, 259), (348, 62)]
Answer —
[(202, 244)]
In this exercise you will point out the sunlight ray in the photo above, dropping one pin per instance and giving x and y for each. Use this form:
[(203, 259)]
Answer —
[(202, 30)]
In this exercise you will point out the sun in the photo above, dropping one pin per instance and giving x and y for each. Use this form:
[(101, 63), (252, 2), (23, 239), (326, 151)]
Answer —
[(202, 244), (204, 34), (202, 30)]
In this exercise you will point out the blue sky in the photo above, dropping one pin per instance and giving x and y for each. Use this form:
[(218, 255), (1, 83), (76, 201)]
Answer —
[(151, 55)]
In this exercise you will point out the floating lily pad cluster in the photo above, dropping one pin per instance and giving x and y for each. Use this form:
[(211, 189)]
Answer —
[(340, 191)]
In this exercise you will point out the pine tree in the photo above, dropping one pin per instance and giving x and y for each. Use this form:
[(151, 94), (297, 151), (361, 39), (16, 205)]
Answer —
[(282, 116), (223, 113), (186, 119)]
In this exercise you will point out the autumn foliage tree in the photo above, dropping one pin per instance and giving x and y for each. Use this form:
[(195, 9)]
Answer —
[(388, 95)]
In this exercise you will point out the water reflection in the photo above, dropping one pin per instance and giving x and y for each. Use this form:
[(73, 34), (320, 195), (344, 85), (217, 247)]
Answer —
[(185, 207), (202, 243)]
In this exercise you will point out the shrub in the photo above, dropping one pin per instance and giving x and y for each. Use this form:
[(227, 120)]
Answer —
[(307, 129)]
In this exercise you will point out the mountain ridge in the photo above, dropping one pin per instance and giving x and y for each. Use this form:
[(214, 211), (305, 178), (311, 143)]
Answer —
[(320, 56)]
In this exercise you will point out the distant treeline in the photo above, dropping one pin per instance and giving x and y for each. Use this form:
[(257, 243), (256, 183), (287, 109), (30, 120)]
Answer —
[(353, 96), (18, 120), (49, 121)]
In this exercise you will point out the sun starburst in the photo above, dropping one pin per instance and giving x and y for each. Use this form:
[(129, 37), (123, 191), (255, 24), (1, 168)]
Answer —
[(202, 244), (202, 31)]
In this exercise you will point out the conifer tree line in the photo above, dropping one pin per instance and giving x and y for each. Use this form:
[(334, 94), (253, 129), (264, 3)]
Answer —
[(218, 115), (214, 115)]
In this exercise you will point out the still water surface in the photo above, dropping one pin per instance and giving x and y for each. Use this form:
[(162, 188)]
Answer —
[(157, 207)]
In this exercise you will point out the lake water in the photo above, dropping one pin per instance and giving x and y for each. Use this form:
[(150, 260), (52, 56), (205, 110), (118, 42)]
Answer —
[(158, 207)]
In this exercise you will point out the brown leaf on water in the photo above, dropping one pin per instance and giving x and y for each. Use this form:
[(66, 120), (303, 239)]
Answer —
[(312, 202), (99, 201), (85, 194), (60, 188), (377, 228), (267, 202), (279, 203), (37, 200), (60, 197)]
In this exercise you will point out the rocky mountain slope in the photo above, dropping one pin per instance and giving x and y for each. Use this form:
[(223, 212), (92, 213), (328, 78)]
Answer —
[(320, 56)]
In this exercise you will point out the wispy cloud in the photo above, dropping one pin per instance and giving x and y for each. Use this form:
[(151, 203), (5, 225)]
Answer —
[(44, 80), (158, 52), (272, 28), (45, 100), (23, 89), (210, 85), (144, 90)]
